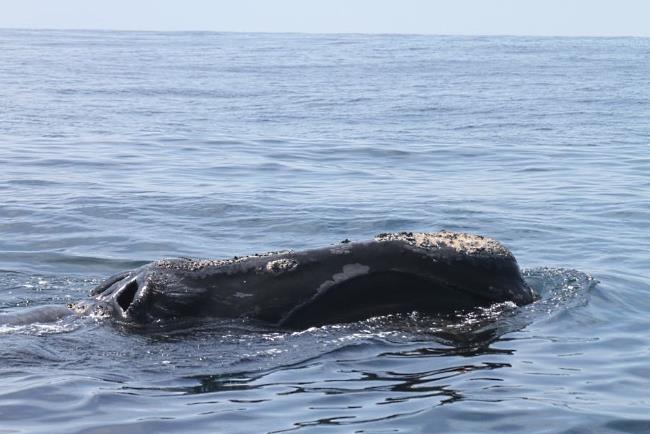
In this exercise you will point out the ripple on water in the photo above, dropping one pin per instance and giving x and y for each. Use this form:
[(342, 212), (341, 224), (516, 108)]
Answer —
[(397, 367), (119, 148)]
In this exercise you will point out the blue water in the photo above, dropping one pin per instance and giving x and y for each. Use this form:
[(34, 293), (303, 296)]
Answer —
[(119, 148)]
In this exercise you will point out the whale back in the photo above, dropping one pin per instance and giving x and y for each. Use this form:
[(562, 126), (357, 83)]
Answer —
[(393, 273)]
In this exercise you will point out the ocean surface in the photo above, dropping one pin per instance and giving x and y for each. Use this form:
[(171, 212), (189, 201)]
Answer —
[(118, 148)]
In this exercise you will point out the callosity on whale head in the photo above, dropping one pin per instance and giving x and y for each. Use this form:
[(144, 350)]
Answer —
[(397, 272)]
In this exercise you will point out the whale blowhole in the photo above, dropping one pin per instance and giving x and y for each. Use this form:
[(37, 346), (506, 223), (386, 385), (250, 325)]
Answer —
[(126, 296)]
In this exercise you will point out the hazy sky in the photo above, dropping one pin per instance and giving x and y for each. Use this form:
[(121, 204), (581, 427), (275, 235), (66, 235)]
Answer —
[(470, 17)]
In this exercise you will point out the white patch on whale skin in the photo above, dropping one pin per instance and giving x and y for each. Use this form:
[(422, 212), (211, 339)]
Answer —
[(280, 266), (460, 242), (242, 294), (349, 271)]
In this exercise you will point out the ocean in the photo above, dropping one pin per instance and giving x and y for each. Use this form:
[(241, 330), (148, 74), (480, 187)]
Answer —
[(119, 148)]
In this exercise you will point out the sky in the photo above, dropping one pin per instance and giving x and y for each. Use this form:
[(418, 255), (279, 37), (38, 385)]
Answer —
[(465, 17)]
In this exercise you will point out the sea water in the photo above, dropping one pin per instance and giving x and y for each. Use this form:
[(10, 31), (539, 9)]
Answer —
[(118, 148)]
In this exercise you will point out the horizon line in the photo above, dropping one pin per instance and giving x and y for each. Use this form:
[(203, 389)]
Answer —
[(477, 35)]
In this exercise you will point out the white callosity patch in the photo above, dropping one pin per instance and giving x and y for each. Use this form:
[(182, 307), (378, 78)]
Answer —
[(468, 244), (199, 264), (280, 266), (349, 271)]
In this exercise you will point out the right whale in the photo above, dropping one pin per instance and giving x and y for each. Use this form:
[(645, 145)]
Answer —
[(432, 273)]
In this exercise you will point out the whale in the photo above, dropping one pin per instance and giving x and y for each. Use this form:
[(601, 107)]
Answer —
[(401, 272)]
